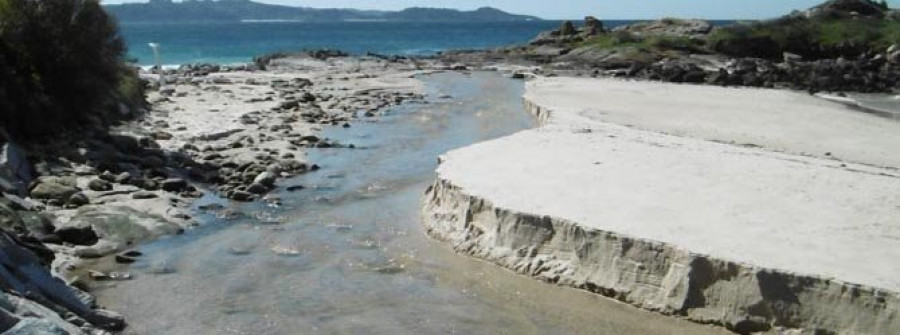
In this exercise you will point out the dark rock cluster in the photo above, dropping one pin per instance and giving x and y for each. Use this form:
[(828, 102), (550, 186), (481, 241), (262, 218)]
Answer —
[(867, 74)]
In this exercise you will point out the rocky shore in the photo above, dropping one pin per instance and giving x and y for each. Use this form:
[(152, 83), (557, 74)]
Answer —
[(699, 52), (228, 132)]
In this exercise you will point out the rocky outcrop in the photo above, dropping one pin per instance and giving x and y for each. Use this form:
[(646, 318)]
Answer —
[(15, 172), (24, 276), (840, 9), (875, 73), (669, 27), (568, 33)]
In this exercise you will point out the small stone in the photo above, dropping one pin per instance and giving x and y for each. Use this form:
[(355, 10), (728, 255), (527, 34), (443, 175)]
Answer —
[(99, 185), (149, 184), (142, 195), (257, 188), (106, 320), (107, 176), (211, 207), (132, 253), (242, 196), (266, 179), (125, 259), (161, 136), (53, 190), (78, 199), (174, 185), (97, 275), (123, 178)]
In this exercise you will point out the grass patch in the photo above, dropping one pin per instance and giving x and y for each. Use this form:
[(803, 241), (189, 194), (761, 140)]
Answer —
[(624, 39)]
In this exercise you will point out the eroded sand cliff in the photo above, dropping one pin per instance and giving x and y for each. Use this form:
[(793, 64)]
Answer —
[(753, 209)]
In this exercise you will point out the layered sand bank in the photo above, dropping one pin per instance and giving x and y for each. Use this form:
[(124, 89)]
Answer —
[(752, 209)]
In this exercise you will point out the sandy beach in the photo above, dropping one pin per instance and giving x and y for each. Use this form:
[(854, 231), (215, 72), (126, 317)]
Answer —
[(655, 193)]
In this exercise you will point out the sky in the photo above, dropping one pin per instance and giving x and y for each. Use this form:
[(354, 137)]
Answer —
[(573, 9)]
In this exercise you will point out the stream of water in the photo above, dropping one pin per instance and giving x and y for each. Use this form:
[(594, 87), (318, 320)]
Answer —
[(348, 254)]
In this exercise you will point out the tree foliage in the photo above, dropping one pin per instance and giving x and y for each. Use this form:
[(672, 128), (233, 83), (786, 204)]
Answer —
[(61, 61)]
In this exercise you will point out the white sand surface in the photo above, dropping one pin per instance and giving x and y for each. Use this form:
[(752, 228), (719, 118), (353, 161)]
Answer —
[(607, 161), (779, 120)]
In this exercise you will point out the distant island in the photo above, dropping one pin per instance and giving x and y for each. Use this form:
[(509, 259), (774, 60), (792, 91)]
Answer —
[(246, 10)]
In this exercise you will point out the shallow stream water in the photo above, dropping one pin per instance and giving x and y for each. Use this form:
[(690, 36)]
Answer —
[(348, 254)]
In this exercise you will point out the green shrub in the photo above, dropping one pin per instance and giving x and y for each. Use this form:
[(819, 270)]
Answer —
[(613, 40), (61, 60), (624, 39), (809, 38)]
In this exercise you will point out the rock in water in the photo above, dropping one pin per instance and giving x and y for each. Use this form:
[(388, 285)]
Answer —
[(242, 196), (256, 188), (174, 185), (266, 179), (125, 259)]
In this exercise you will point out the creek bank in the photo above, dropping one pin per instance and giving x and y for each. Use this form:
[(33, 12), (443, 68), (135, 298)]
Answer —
[(94, 195), (655, 195)]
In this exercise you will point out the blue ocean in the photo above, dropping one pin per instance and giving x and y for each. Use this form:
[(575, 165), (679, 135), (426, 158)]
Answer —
[(226, 43)]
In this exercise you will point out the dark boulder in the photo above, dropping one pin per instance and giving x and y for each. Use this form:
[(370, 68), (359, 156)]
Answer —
[(99, 185), (174, 185), (593, 26), (54, 188), (78, 235)]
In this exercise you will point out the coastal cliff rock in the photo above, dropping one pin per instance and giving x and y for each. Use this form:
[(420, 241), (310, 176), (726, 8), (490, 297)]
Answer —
[(669, 27), (839, 46), (845, 9), (23, 275)]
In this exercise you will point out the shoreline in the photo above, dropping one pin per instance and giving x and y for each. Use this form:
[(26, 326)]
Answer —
[(277, 113), (769, 206)]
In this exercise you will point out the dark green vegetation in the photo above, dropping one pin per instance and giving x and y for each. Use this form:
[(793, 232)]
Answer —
[(648, 43), (237, 10), (61, 66), (810, 38), (838, 46), (837, 28)]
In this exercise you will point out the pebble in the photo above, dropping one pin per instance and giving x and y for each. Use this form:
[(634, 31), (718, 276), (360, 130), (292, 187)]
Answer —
[(143, 195)]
